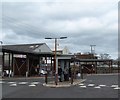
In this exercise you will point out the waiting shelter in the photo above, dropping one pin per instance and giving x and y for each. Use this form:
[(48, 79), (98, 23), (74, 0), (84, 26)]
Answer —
[(26, 59), (63, 61)]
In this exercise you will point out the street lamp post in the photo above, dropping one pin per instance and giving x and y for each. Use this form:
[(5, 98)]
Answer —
[(56, 67), (56, 71)]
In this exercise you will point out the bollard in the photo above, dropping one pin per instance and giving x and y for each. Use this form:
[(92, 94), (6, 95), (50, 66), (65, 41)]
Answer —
[(46, 78), (82, 73), (72, 78), (26, 74), (56, 79)]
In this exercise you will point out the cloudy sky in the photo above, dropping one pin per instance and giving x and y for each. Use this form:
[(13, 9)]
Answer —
[(84, 22)]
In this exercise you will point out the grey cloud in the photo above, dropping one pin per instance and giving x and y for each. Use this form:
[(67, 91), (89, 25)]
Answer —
[(82, 24)]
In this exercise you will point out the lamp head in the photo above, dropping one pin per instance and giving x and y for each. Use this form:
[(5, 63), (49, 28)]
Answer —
[(63, 37)]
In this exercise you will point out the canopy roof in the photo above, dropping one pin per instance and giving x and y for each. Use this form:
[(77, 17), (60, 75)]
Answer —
[(37, 48)]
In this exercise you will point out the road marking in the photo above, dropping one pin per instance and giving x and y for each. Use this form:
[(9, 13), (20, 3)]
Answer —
[(102, 85), (22, 83), (91, 85), (117, 88), (35, 83), (32, 85), (83, 86), (13, 85), (97, 87), (114, 86), (11, 82)]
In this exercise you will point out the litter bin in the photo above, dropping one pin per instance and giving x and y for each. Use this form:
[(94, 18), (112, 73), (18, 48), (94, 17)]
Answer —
[(66, 77)]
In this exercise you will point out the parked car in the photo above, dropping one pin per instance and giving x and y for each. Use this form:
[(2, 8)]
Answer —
[(6, 73), (43, 72)]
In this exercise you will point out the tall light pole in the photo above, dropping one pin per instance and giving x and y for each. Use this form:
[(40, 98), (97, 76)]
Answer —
[(56, 66)]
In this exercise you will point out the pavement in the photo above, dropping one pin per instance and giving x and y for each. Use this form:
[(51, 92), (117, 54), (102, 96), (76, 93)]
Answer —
[(50, 83), (64, 83), (76, 81)]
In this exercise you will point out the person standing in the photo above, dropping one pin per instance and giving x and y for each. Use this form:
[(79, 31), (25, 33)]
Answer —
[(60, 73), (66, 75)]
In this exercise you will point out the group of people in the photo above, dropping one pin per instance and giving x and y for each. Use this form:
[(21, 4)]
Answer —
[(64, 72)]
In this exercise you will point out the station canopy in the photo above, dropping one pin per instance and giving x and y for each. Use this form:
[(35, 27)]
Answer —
[(36, 49)]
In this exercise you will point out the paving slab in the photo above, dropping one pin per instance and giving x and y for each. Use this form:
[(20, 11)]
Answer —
[(63, 84)]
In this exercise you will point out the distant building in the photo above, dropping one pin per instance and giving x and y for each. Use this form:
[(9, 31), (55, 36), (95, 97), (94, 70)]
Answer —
[(63, 51), (85, 56), (91, 63)]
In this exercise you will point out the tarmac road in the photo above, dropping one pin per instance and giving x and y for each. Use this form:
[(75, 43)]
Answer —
[(95, 86)]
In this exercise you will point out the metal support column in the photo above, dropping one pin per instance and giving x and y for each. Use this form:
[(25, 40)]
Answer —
[(27, 63), (109, 67), (3, 64), (51, 69), (118, 66), (96, 67), (39, 64), (46, 69), (56, 68), (12, 66), (9, 66)]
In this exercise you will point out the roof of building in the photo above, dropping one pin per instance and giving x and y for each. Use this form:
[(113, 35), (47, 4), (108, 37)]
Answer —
[(65, 56), (24, 48)]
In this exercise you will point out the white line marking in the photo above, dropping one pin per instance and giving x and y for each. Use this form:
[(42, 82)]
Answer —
[(22, 83), (102, 85), (83, 86), (114, 86), (117, 88), (11, 82), (13, 85), (32, 85), (91, 85), (35, 83), (97, 87)]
